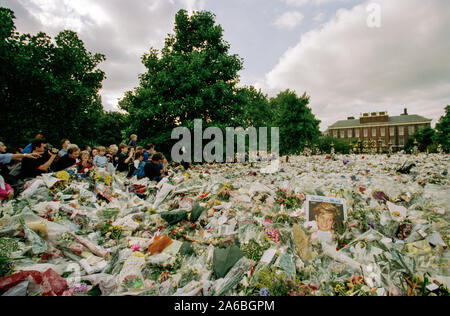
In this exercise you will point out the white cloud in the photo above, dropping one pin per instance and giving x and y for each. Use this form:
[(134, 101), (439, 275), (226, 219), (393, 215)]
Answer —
[(289, 20), (300, 3), (121, 30), (349, 68), (319, 17)]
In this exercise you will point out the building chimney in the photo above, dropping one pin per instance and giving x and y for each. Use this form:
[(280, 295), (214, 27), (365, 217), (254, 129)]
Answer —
[(405, 111)]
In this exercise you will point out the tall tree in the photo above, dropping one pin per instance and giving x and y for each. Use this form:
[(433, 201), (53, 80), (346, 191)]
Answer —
[(424, 138), (443, 131), (296, 121), (47, 86), (193, 77), (256, 108)]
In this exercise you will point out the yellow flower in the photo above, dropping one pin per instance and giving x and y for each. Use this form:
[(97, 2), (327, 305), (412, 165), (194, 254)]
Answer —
[(138, 254), (110, 228)]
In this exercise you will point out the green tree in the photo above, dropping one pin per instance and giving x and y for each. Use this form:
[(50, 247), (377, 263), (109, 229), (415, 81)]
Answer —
[(296, 121), (341, 146), (424, 139), (256, 109), (443, 131), (47, 86), (193, 77), (109, 128)]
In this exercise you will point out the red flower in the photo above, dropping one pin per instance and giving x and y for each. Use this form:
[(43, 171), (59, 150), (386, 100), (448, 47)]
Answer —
[(362, 190), (173, 232), (357, 280)]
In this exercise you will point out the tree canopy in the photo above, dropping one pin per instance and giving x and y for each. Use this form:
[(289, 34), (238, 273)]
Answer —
[(297, 123), (443, 131), (193, 77), (47, 86)]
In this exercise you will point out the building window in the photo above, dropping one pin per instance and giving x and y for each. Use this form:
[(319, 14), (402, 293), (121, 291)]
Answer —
[(401, 131), (401, 141), (342, 134), (392, 131), (366, 132), (383, 132), (357, 133), (350, 133), (374, 132), (392, 140), (335, 133), (411, 130)]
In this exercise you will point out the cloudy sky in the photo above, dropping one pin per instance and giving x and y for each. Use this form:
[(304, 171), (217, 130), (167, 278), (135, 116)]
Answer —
[(324, 47)]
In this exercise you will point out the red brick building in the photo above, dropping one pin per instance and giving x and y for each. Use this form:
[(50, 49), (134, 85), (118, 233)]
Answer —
[(381, 127)]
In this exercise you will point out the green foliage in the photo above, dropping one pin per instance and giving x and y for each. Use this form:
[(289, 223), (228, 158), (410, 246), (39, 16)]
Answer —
[(340, 145), (443, 131), (297, 123), (47, 86), (277, 284), (256, 110), (253, 250), (424, 138), (6, 266), (109, 128), (193, 77)]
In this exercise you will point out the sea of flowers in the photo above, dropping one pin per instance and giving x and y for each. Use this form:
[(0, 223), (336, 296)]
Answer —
[(233, 229)]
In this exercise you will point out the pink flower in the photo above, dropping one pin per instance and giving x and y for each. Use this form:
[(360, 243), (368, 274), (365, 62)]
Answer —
[(274, 235), (268, 221), (135, 248), (301, 196)]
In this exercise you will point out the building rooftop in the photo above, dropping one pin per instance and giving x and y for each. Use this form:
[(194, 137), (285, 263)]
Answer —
[(392, 120)]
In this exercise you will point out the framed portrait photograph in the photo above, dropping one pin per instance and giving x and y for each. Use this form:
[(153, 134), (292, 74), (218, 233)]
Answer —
[(324, 214)]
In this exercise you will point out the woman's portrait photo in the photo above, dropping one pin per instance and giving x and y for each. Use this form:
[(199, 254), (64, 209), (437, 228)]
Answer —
[(324, 215)]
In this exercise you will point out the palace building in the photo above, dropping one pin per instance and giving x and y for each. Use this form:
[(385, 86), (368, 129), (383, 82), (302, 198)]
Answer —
[(379, 126)]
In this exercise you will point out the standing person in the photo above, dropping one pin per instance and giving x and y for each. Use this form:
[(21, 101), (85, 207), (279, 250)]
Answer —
[(7, 159), (124, 159), (149, 151), (65, 143), (28, 149), (32, 168), (133, 141), (140, 168), (69, 159), (100, 161), (113, 150)]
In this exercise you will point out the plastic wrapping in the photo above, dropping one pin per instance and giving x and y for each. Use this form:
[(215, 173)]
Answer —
[(171, 238)]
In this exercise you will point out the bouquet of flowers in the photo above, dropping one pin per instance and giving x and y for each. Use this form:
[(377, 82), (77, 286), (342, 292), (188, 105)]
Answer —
[(132, 282), (289, 199)]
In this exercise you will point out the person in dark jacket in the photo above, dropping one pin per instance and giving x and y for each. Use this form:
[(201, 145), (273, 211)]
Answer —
[(68, 160)]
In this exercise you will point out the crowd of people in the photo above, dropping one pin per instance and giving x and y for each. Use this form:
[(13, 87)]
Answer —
[(20, 165)]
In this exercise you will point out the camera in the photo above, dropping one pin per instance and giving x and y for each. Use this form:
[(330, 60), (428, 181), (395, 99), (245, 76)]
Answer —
[(50, 148)]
